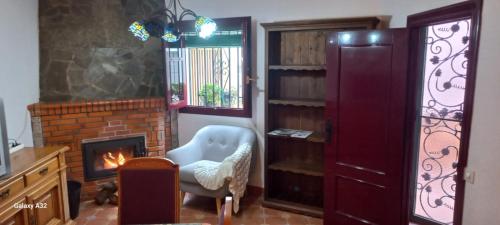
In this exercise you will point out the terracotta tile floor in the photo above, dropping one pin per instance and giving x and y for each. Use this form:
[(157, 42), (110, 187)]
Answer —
[(201, 209)]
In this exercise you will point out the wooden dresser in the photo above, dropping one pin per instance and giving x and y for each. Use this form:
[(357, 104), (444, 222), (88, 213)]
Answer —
[(35, 193)]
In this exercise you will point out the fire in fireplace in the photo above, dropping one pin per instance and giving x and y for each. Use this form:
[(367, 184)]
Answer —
[(102, 158), (112, 159)]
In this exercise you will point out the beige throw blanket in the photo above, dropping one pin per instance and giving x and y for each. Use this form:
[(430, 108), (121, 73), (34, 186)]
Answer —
[(235, 168)]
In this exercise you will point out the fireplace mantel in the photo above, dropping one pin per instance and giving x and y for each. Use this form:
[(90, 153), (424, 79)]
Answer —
[(50, 109)]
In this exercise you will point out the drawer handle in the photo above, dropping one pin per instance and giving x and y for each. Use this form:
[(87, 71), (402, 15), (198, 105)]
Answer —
[(43, 171), (5, 194)]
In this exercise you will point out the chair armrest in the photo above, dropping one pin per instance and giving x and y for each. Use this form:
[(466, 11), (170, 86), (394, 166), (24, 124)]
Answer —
[(185, 154)]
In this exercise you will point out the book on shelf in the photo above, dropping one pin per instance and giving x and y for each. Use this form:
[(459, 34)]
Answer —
[(291, 133)]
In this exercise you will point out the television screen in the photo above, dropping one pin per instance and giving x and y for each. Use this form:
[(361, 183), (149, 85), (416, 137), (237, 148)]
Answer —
[(4, 145)]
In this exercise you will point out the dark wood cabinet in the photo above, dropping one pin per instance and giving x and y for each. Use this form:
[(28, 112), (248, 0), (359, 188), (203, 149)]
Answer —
[(296, 76), (366, 104)]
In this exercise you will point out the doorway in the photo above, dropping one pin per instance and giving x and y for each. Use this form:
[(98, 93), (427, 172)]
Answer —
[(442, 69), (407, 165)]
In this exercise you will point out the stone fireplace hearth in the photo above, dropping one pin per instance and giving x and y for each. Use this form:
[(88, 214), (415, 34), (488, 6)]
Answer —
[(75, 123)]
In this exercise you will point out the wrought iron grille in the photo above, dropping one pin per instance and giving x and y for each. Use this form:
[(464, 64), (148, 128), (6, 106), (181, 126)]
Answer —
[(214, 77), (175, 69), (442, 103), (207, 74)]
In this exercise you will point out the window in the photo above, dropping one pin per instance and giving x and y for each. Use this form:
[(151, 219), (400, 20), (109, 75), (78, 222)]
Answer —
[(215, 77), (441, 116), (214, 71)]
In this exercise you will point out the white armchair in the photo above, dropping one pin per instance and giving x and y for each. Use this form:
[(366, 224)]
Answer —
[(213, 143)]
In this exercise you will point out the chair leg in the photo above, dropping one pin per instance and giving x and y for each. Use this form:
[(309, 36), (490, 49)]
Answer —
[(183, 194), (218, 202)]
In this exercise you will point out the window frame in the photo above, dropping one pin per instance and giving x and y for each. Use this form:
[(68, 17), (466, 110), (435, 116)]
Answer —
[(246, 111), (167, 82)]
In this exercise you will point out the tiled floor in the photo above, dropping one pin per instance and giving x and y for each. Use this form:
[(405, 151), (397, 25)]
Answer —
[(201, 209)]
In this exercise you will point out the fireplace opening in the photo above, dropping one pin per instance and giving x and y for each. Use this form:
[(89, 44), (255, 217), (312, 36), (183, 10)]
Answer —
[(102, 158)]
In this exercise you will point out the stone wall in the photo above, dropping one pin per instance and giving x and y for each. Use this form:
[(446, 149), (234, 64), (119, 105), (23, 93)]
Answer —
[(87, 53)]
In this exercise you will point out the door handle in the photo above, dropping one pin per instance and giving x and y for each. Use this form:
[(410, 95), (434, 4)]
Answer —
[(5, 194), (328, 131), (249, 79), (43, 171)]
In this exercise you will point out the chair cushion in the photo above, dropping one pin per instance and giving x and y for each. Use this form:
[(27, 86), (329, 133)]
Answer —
[(186, 173)]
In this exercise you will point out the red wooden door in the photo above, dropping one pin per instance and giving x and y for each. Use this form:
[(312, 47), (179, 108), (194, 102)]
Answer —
[(365, 113)]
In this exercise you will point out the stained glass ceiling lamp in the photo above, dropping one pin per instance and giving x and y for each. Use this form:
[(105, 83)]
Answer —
[(205, 27), (165, 24), (170, 34), (137, 28)]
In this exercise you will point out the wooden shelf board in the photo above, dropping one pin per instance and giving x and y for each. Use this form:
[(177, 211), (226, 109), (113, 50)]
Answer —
[(308, 169), (293, 207), (297, 102), (297, 67), (314, 137)]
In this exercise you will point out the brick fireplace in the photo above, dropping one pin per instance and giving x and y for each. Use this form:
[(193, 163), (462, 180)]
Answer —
[(78, 123)]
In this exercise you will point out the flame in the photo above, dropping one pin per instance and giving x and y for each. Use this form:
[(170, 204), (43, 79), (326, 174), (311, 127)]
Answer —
[(111, 162), (121, 159)]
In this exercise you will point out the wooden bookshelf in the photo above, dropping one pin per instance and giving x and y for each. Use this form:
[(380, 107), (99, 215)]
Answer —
[(279, 202), (314, 137), (297, 102), (295, 93), (309, 169), (297, 67)]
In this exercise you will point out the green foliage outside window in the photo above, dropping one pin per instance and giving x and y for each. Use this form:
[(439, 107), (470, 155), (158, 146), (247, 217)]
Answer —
[(212, 95)]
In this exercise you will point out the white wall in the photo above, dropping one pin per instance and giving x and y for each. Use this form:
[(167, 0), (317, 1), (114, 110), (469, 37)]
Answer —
[(482, 199), (19, 64), (400, 9)]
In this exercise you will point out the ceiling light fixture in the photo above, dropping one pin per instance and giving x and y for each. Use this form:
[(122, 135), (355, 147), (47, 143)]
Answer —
[(165, 24)]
